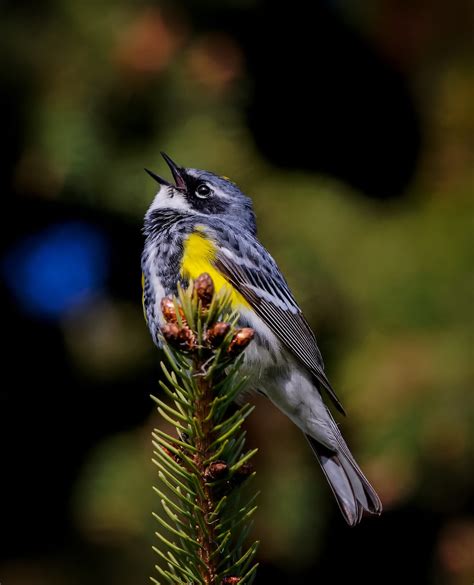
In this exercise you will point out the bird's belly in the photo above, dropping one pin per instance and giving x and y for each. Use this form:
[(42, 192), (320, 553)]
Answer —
[(294, 393), (264, 357)]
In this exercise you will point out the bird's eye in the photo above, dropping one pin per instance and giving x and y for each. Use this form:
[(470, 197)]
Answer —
[(202, 191)]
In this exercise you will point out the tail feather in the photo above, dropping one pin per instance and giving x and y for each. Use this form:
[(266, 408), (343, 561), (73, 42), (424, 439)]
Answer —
[(352, 491)]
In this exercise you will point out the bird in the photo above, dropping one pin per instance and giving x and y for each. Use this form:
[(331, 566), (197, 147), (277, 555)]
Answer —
[(203, 223)]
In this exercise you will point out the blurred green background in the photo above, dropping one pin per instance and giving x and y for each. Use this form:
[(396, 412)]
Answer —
[(351, 125)]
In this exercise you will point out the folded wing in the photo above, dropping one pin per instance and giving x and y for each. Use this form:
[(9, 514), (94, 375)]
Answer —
[(256, 276)]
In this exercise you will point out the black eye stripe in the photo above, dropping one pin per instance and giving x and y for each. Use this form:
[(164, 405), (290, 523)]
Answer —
[(210, 204)]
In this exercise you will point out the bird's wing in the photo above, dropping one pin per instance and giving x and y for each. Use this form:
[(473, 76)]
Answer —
[(246, 264)]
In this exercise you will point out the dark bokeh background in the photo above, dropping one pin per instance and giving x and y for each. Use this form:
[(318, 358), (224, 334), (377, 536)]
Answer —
[(352, 127)]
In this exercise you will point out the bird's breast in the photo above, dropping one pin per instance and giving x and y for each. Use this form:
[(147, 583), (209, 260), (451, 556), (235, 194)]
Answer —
[(199, 253)]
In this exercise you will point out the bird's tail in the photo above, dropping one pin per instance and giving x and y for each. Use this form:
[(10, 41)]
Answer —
[(353, 492)]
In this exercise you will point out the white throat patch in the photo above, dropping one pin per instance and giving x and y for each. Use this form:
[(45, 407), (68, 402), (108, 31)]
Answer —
[(169, 198)]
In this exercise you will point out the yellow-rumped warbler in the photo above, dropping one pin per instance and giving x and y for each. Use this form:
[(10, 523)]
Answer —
[(204, 223)]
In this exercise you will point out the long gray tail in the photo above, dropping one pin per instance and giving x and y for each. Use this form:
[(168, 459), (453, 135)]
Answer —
[(353, 492)]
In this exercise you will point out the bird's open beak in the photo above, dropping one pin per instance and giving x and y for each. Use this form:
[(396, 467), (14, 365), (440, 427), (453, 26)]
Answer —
[(177, 171)]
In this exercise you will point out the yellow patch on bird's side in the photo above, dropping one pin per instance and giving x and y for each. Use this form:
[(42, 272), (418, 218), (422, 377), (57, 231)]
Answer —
[(199, 253)]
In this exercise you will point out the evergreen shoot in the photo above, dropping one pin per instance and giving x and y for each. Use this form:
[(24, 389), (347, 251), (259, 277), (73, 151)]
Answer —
[(203, 466)]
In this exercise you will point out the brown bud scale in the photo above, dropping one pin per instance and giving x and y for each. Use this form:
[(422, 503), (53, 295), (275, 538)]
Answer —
[(215, 334), (169, 310), (187, 338), (204, 289), (180, 337), (170, 333), (215, 470), (240, 340)]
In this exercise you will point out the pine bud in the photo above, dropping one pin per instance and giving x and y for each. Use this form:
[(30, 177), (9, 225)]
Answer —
[(240, 341), (168, 309), (170, 332), (187, 338), (215, 470), (230, 580), (204, 288), (180, 337), (215, 334)]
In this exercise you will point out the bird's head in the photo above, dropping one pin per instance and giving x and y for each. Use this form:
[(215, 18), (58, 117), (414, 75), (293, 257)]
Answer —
[(197, 192)]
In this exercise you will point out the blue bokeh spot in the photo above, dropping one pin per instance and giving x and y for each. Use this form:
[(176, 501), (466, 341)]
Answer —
[(58, 268)]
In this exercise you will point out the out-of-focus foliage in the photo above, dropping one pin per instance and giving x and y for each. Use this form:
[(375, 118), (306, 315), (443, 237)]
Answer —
[(386, 285)]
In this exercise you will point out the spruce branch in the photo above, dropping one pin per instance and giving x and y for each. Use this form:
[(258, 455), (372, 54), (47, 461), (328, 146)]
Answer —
[(203, 469)]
